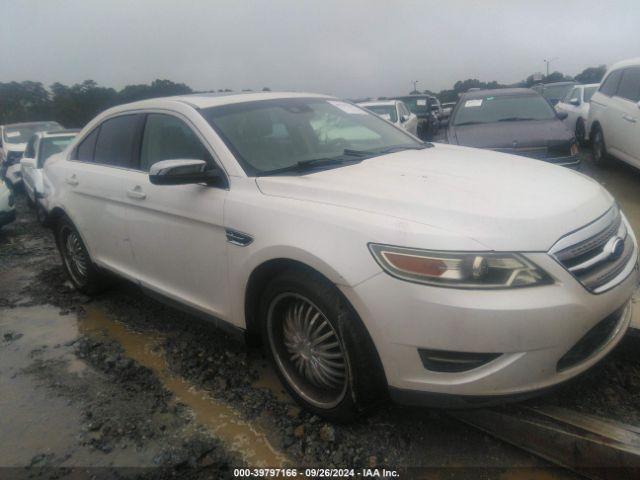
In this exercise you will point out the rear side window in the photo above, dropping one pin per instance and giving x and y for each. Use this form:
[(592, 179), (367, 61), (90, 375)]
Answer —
[(168, 138), (116, 143), (610, 85), (630, 84), (84, 151)]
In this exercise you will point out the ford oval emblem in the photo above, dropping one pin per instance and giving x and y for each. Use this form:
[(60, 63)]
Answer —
[(614, 248)]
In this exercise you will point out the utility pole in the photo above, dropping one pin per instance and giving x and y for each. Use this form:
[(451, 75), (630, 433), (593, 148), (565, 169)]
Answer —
[(415, 85), (548, 62)]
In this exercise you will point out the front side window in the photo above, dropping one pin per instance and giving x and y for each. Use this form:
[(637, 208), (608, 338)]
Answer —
[(505, 108), (84, 152), (629, 88), (610, 85), (116, 141), (575, 93), (168, 138), (555, 92), (271, 135), (30, 151), (388, 112), (52, 145), (588, 93)]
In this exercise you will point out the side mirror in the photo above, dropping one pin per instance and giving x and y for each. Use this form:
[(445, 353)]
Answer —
[(575, 102), (562, 115), (403, 118), (184, 172)]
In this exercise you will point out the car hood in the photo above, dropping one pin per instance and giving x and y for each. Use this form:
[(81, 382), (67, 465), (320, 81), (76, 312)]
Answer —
[(537, 133), (502, 201)]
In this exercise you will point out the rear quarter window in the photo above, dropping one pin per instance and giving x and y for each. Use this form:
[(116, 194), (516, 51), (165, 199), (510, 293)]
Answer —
[(610, 84)]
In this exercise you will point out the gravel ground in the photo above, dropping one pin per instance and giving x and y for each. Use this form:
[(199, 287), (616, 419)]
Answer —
[(135, 383)]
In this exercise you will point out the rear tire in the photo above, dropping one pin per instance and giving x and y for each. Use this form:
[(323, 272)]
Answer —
[(319, 347), (580, 132), (599, 148), (83, 273)]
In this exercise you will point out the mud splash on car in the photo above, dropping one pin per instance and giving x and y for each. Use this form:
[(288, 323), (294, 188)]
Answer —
[(224, 422)]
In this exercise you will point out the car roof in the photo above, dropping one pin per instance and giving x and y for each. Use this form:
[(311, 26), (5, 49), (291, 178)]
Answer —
[(631, 62), (500, 92), (206, 100), (378, 102)]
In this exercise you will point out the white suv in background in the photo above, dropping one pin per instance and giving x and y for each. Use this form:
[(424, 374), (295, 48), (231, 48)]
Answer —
[(394, 111), (39, 148), (614, 116), (367, 260), (576, 106)]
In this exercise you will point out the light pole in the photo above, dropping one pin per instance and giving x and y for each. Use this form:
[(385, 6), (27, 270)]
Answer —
[(548, 62), (415, 85)]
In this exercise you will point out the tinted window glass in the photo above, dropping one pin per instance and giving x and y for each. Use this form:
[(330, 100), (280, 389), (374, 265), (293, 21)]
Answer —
[(502, 109), (630, 85), (86, 148), (115, 145), (29, 151), (610, 85), (168, 138)]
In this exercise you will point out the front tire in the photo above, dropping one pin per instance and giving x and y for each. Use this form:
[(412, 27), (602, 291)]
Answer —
[(580, 132), (319, 347), (83, 273), (600, 156)]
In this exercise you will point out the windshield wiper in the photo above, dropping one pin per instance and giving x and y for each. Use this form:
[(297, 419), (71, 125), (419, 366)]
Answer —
[(307, 165), (399, 148), (467, 123), (516, 119)]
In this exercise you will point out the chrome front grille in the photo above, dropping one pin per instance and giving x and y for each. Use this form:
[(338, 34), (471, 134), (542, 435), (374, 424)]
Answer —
[(599, 253)]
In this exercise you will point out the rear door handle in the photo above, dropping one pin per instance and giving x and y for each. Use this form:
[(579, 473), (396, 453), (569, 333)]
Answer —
[(72, 180), (137, 193), (629, 119)]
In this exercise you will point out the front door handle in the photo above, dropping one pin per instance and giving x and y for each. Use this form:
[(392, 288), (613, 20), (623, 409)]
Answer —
[(629, 119), (137, 193), (72, 180)]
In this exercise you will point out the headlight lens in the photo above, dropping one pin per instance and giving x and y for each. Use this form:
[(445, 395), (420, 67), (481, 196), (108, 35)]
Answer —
[(482, 270)]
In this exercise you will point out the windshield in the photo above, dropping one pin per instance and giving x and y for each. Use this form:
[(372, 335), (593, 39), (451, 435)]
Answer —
[(416, 105), (22, 133), (271, 135), (388, 112), (588, 93), (556, 92), (503, 108), (51, 146)]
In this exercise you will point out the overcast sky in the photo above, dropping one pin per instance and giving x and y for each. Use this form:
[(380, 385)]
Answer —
[(347, 48)]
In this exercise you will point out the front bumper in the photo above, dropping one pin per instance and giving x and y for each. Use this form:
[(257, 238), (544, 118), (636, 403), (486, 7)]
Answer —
[(531, 329), (7, 217)]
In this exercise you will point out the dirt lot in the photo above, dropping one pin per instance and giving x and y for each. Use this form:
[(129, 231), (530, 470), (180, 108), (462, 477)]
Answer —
[(121, 385)]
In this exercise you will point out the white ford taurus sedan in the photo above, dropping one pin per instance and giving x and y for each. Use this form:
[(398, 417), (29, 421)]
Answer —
[(367, 261)]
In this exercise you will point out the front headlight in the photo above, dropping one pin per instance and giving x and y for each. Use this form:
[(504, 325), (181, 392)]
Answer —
[(482, 270)]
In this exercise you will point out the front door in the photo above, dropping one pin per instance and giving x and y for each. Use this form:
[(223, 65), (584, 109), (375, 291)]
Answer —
[(177, 231)]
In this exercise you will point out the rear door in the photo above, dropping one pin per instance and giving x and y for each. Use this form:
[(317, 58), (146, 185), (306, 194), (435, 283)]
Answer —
[(627, 99), (177, 231), (96, 178)]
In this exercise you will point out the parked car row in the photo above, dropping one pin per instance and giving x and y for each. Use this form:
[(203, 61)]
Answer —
[(367, 261)]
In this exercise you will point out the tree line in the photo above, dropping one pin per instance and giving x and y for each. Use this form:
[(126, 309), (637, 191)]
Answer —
[(73, 106)]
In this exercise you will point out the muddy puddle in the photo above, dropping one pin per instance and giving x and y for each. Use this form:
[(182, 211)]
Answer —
[(221, 420)]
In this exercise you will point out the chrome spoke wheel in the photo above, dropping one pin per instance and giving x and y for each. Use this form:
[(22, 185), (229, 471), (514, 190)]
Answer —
[(307, 350), (75, 257)]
